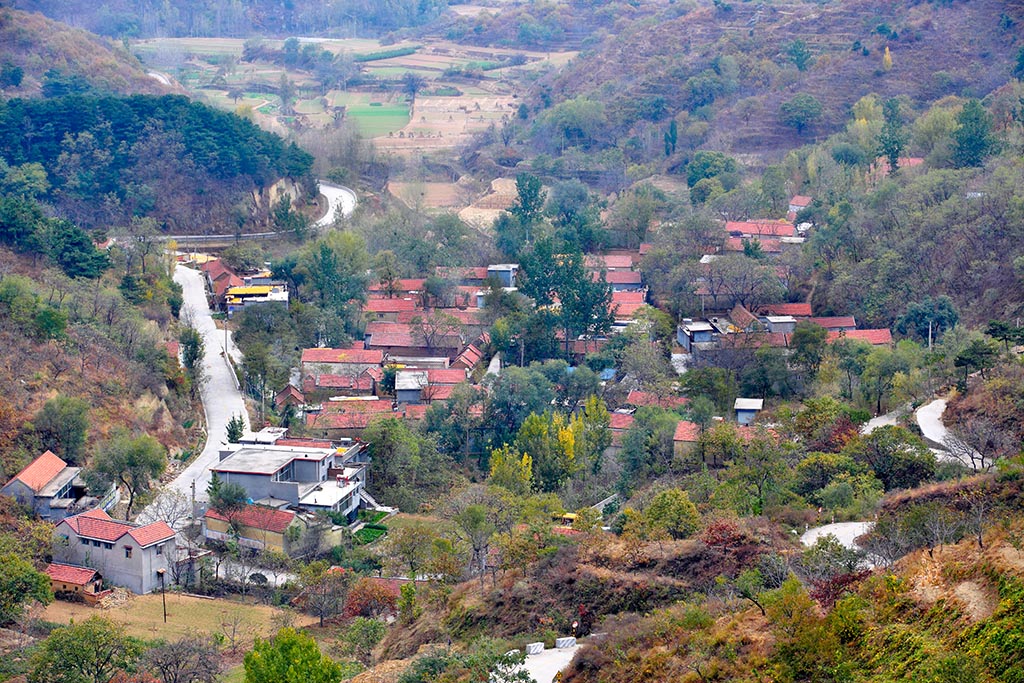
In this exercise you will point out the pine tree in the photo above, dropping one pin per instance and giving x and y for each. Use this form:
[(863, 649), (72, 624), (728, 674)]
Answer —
[(236, 428)]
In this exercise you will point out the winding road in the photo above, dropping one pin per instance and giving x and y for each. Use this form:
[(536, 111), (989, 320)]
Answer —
[(222, 397)]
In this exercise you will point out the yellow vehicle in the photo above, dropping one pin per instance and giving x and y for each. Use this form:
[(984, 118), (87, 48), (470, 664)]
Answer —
[(565, 519)]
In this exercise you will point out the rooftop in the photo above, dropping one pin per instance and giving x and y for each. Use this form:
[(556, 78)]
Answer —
[(99, 525), (69, 573), (268, 459), (359, 356), (748, 404), (41, 471), (327, 494), (257, 517)]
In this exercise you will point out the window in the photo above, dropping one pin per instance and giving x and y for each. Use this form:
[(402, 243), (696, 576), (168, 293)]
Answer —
[(108, 546), (128, 552), (160, 549), (96, 544)]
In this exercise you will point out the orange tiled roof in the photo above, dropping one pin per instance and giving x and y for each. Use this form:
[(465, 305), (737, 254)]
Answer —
[(881, 337), (359, 356), (258, 517), (687, 431), (66, 573), (41, 471)]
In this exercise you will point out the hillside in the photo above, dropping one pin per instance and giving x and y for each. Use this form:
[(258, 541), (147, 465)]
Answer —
[(734, 67), (47, 51)]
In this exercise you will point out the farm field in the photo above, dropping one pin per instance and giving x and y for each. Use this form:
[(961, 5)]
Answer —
[(186, 615)]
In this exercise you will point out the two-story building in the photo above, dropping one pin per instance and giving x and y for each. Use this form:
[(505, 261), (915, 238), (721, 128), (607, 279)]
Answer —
[(126, 554), (301, 477)]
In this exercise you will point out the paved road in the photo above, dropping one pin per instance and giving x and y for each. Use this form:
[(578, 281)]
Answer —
[(338, 199), (929, 417), (844, 531), (543, 667), (221, 396), (881, 421)]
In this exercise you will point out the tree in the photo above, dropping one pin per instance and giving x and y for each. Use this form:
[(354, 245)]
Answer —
[(91, 651), (551, 443), (809, 343), (799, 54), (972, 140), (672, 511), (11, 75), (386, 266), (477, 528), (408, 548), (189, 660), (132, 460), (511, 471), (289, 657), (412, 83), (362, 636), (324, 590), (529, 205), (61, 426), (899, 459), (980, 355), (929, 318), (235, 429), (19, 584), (706, 164), (892, 139), (800, 112), (749, 586), (514, 395), (228, 499)]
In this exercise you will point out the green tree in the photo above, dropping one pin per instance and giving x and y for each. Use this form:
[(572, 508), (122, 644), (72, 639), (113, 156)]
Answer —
[(289, 657), (514, 395), (529, 205), (809, 343), (132, 460), (799, 54), (899, 459), (511, 471), (707, 164), (61, 426), (406, 468), (19, 584), (551, 444), (892, 139), (674, 512), (973, 141), (773, 191), (387, 269), (800, 112), (235, 429), (91, 651), (928, 319), (476, 526), (980, 355), (362, 636), (192, 349)]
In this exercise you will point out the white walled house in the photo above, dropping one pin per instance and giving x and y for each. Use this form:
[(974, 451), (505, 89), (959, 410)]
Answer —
[(125, 554)]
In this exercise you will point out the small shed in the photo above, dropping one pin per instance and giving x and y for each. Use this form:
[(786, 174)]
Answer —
[(784, 324), (409, 385), (747, 409), (69, 579)]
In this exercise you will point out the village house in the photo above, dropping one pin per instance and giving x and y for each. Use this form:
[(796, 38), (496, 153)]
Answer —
[(747, 409), (77, 583), (301, 477), (48, 486), (238, 298), (255, 526), (219, 279), (126, 554)]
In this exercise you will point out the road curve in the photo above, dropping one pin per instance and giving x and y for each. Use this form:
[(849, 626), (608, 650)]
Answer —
[(221, 396), (339, 198), (929, 418)]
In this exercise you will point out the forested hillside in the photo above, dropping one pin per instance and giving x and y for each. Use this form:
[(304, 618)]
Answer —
[(41, 55), (237, 18), (188, 166)]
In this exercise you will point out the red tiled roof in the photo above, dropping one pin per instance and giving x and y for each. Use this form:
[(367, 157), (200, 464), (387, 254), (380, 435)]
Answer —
[(768, 246), (66, 573), (363, 382), (625, 311), (289, 392), (646, 398), (466, 316), (800, 200), (645, 248), (741, 317), (152, 533), (417, 412), (628, 297), (395, 339), (215, 269), (761, 228), (339, 420), (358, 356), (835, 322), (304, 443), (357, 406), (437, 392), (403, 285), (609, 261), (620, 421), (881, 337), (257, 517), (797, 310), (41, 471), (446, 375), (389, 305), (222, 285), (470, 356), (620, 277), (99, 525), (687, 432)]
